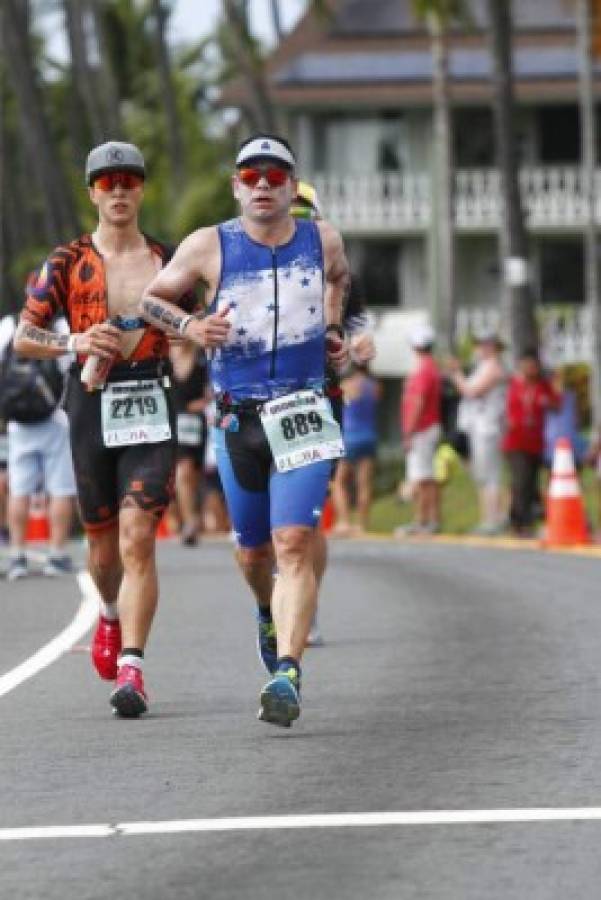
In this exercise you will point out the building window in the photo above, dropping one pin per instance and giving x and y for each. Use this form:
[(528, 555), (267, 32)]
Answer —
[(474, 144), (559, 134), (377, 273), (392, 143), (562, 272), (366, 144)]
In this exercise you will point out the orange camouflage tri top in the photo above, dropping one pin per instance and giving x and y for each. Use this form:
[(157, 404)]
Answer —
[(72, 283)]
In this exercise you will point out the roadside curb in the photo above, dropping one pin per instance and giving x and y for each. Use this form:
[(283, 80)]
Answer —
[(456, 540), (528, 544)]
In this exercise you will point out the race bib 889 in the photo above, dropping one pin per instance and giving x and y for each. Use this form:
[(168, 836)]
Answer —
[(301, 430)]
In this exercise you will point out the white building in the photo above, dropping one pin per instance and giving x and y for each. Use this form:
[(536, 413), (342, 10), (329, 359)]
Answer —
[(356, 93)]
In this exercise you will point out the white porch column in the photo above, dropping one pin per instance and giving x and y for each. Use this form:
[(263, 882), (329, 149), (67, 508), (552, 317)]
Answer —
[(304, 144)]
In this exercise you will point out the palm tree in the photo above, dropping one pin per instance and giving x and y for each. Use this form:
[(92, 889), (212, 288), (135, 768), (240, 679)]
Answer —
[(514, 244), (584, 13), (60, 219), (276, 19), (108, 93), (175, 143), (82, 74), (438, 14), (239, 46)]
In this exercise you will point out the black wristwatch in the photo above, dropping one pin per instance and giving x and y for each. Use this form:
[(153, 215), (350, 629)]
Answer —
[(336, 329)]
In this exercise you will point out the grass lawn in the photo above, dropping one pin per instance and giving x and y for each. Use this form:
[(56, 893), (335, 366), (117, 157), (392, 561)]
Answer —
[(459, 502)]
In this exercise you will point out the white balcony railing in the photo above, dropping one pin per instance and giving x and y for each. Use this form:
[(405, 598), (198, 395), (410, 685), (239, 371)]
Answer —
[(565, 334), (386, 202), (553, 199)]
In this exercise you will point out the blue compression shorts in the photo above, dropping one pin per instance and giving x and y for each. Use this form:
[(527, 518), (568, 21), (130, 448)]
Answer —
[(259, 498)]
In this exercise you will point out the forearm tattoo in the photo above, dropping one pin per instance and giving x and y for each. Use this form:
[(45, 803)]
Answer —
[(344, 306), (44, 338), (163, 317)]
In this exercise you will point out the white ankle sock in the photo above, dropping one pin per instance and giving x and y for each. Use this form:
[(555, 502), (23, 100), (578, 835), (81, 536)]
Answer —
[(130, 660), (109, 611)]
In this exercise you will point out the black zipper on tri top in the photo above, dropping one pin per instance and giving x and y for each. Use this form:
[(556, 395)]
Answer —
[(276, 311)]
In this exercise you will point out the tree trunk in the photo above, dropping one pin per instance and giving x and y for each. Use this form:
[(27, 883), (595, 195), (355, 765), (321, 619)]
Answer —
[(443, 176), (108, 82), (589, 143), (81, 74), (5, 285), (60, 219), (514, 244), (18, 234), (261, 111), (276, 19), (168, 96)]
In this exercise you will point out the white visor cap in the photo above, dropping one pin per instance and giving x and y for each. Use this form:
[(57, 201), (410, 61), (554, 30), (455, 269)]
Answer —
[(422, 336), (265, 148)]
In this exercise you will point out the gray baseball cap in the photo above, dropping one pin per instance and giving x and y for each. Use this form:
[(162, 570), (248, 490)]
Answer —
[(114, 156)]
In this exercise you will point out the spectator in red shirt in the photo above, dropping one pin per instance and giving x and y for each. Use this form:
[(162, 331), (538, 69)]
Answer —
[(420, 423), (529, 396)]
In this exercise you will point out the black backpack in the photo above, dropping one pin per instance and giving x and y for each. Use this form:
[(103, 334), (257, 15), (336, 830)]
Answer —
[(30, 389)]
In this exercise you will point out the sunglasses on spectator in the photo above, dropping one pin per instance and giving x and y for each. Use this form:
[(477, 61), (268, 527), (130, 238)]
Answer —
[(273, 176), (127, 180)]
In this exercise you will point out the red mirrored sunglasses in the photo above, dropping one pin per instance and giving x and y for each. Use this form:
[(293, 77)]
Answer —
[(110, 180), (274, 177)]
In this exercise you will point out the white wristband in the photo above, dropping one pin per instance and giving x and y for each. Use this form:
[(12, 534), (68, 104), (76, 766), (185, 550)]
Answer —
[(71, 343), (184, 323)]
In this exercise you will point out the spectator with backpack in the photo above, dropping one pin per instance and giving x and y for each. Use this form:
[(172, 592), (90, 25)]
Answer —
[(39, 455)]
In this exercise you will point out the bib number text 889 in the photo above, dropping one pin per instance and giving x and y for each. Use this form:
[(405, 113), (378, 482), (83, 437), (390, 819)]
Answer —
[(301, 424)]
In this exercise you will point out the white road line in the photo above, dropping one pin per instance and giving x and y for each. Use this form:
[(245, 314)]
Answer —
[(333, 820), (57, 831), (81, 624)]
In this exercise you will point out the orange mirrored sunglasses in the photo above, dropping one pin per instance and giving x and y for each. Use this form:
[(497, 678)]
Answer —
[(127, 180), (274, 177)]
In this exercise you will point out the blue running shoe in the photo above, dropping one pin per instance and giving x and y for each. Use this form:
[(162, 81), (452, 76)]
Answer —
[(267, 644), (280, 698)]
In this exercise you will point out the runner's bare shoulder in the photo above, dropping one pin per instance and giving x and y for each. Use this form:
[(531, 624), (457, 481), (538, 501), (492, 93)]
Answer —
[(331, 239), (200, 253), (334, 257)]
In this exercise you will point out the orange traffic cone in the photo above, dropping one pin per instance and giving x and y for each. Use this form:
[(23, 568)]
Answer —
[(163, 529), (566, 520), (327, 515), (38, 528)]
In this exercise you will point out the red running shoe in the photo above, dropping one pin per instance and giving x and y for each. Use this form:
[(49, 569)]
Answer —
[(106, 647), (129, 697)]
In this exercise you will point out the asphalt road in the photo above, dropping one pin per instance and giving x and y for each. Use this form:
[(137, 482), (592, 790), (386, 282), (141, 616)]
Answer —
[(452, 678)]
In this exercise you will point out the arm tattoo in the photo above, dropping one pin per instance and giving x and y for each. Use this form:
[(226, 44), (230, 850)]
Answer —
[(45, 338), (163, 317), (346, 298)]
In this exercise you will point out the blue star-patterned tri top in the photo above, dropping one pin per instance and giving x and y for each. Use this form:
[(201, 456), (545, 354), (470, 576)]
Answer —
[(276, 344)]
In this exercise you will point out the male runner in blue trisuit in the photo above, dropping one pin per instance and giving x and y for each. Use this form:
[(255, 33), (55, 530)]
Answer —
[(275, 289)]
